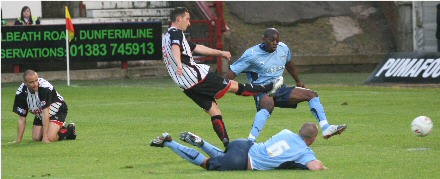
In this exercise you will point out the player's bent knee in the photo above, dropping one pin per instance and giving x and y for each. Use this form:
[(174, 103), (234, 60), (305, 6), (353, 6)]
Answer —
[(36, 138), (52, 137), (315, 94), (311, 94)]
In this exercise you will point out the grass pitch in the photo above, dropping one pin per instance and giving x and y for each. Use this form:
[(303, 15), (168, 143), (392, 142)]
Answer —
[(116, 120)]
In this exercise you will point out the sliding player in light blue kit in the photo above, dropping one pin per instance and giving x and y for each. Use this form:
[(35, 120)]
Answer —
[(285, 150), (266, 61)]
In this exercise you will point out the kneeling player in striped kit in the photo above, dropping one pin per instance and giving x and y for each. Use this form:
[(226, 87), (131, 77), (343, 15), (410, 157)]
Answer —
[(39, 97)]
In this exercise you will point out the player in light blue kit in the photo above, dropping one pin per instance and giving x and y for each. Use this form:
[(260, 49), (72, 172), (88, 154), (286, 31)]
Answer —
[(266, 61), (285, 150)]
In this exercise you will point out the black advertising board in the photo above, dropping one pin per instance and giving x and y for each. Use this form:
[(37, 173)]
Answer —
[(91, 42), (407, 67)]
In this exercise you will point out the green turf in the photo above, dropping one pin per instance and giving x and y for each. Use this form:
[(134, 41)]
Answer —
[(116, 120)]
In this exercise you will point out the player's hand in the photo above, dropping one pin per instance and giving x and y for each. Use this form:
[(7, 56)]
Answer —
[(179, 71), (36, 111), (226, 54), (300, 84)]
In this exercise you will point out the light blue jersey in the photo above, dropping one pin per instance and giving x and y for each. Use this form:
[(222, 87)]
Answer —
[(283, 151), (262, 67)]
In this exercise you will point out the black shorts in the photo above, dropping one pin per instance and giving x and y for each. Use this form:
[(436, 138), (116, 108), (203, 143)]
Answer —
[(234, 158), (59, 118), (207, 91)]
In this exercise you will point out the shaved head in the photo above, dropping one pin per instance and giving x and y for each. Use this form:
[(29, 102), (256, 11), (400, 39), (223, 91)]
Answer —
[(270, 32), (308, 131), (27, 73)]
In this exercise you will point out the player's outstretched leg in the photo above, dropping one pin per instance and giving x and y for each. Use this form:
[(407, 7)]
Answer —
[(195, 140), (277, 83), (191, 138), (259, 123), (318, 111), (253, 89), (220, 129), (333, 130), (189, 154), (160, 141)]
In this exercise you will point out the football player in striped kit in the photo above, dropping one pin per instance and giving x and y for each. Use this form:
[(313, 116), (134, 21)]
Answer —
[(37, 96), (202, 86)]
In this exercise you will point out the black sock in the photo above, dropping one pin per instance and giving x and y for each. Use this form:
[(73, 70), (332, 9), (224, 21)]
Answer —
[(251, 89), (220, 129), (62, 133), (71, 134)]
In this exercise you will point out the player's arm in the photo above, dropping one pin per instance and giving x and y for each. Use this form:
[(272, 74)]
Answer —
[(316, 165), (20, 129), (48, 96), (240, 65), (293, 71), (45, 115), (201, 49), (175, 50), (20, 108)]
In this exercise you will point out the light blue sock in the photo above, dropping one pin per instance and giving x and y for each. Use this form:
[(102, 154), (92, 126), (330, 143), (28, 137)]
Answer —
[(211, 150), (318, 111), (259, 122), (192, 155)]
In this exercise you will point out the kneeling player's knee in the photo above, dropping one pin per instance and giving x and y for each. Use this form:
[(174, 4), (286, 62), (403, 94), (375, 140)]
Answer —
[(53, 137), (36, 138)]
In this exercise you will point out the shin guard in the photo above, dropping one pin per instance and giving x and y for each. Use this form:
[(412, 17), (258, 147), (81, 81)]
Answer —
[(220, 129)]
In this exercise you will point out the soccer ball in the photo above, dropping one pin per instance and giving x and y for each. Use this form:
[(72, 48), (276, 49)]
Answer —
[(421, 126)]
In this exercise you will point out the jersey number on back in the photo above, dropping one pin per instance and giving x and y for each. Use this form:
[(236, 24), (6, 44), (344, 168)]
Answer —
[(278, 148)]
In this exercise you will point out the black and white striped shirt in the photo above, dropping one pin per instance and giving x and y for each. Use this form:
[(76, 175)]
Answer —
[(46, 96), (192, 72)]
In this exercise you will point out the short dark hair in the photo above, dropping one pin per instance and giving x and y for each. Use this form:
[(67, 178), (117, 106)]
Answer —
[(178, 11), (28, 72), (308, 131), (270, 32)]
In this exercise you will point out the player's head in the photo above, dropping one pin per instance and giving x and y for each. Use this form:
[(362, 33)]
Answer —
[(271, 38), (308, 132), (30, 79), (180, 18), (25, 12)]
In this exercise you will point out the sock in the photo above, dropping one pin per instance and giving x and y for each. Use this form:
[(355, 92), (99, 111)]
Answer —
[(318, 111), (220, 129), (259, 122), (211, 150), (62, 133), (251, 89), (71, 134), (187, 153)]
